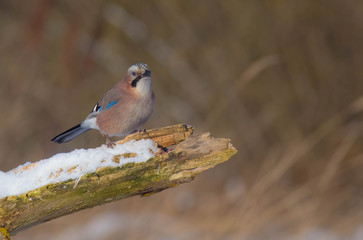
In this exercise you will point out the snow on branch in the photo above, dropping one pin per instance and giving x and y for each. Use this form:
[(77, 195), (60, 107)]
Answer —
[(66, 183)]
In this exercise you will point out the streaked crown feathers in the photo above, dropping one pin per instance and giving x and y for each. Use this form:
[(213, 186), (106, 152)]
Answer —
[(137, 67)]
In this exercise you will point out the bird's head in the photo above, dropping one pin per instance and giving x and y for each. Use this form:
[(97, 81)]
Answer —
[(139, 78)]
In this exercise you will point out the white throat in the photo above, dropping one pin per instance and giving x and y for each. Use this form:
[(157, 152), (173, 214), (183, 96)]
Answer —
[(143, 87)]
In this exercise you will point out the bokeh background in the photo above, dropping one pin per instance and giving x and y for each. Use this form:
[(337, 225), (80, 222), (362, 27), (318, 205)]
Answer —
[(282, 78)]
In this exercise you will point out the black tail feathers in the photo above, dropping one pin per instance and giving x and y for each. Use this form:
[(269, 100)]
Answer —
[(70, 134)]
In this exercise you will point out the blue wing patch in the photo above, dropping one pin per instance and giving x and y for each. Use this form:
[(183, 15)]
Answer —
[(97, 108), (109, 105)]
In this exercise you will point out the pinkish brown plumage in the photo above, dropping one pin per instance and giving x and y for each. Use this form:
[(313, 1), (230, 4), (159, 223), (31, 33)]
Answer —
[(122, 109)]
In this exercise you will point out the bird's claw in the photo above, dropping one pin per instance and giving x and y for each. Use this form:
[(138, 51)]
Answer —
[(139, 131), (109, 143)]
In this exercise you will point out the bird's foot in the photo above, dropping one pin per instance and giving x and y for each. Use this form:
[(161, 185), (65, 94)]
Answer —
[(109, 143), (139, 131)]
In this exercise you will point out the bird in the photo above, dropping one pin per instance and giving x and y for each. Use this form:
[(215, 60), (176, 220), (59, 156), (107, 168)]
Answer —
[(122, 110)]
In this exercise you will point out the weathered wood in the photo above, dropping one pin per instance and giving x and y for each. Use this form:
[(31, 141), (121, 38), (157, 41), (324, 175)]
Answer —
[(165, 136), (166, 170)]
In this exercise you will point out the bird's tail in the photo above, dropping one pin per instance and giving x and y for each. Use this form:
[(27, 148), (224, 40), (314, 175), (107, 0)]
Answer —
[(70, 134)]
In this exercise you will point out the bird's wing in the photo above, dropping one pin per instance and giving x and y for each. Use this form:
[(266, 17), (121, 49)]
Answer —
[(109, 99)]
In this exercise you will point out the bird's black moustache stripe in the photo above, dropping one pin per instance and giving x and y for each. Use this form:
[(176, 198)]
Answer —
[(134, 82)]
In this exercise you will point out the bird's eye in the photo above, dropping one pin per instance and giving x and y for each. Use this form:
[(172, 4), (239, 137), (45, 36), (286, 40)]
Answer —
[(133, 74)]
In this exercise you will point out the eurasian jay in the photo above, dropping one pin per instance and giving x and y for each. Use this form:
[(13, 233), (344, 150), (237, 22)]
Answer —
[(122, 110)]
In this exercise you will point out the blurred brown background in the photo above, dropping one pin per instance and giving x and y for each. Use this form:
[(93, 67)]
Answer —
[(281, 78)]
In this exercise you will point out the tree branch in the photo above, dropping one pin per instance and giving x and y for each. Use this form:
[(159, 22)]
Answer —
[(190, 157)]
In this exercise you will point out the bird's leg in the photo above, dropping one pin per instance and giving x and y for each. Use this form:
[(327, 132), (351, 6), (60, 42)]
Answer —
[(109, 143)]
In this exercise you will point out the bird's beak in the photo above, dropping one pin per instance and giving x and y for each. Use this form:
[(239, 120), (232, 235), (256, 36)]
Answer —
[(147, 73)]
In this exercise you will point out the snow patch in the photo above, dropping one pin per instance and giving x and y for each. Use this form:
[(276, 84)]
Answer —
[(73, 165)]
